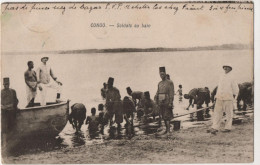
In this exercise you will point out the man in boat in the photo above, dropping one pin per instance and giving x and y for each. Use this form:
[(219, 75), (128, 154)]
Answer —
[(164, 99), (114, 104), (31, 84), (226, 94), (104, 90), (9, 109), (150, 108), (128, 111), (44, 73), (198, 96)]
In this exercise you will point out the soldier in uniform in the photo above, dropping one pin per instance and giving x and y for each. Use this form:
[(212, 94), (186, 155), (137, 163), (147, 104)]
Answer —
[(9, 109), (114, 104), (164, 98)]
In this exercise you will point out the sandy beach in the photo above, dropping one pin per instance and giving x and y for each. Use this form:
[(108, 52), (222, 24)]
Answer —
[(192, 145)]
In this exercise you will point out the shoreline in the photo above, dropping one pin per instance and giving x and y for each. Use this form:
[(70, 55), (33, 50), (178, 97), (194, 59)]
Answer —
[(192, 145)]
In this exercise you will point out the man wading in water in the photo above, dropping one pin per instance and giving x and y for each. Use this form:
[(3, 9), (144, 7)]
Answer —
[(114, 104), (164, 98)]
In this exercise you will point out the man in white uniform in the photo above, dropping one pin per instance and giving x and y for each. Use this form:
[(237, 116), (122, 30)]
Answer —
[(44, 73), (225, 97)]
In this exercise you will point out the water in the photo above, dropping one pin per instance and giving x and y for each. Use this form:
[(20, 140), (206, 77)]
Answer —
[(83, 75)]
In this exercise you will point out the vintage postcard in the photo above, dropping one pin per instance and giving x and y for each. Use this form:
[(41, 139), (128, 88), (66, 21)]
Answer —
[(127, 82)]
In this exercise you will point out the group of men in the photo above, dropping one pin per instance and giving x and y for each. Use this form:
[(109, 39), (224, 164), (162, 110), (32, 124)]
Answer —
[(42, 80), (162, 105), (9, 100), (124, 109)]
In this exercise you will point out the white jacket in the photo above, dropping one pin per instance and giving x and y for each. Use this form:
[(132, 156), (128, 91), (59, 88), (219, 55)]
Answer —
[(227, 87)]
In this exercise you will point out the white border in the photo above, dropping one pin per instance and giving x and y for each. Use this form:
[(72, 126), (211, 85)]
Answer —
[(256, 60)]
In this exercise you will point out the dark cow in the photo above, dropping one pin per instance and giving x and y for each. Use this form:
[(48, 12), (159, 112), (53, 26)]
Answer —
[(245, 94), (77, 116)]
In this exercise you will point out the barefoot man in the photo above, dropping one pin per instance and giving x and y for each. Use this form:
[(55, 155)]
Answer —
[(164, 98)]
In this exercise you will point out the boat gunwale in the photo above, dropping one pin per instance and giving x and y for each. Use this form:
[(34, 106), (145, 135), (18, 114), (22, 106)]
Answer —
[(44, 107)]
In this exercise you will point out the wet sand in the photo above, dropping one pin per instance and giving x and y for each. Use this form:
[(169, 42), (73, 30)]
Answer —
[(191, 145)]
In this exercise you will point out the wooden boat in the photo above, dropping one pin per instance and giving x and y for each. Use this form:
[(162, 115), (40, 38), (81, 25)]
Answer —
[(38, 122)]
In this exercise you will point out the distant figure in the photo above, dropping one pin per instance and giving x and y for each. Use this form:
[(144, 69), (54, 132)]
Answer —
[(104, 90), (164, 98), (44, 73), (198, 96), (93, 123), (101, 118), (226, 93), (179, 91), (77, 115), (31, 84), (9, 108), (128, 111), (114, 104), (245, 95), (150, 108), (136, 95), (168, 77)]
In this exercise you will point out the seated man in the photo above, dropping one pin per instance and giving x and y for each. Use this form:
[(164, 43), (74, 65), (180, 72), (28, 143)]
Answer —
[(44, 75)]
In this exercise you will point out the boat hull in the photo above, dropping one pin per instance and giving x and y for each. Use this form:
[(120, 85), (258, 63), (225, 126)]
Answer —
[(38, 122)]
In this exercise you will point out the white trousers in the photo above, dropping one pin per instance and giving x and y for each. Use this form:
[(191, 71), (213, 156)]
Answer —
[(30, 94), (220, 107), (45, 87)]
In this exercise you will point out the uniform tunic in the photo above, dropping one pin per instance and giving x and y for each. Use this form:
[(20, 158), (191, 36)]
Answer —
[(31, 83), (114, 104), (164, 97), (9, 104)]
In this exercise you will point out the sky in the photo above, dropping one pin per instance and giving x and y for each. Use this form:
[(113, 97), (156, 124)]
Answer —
[(24, 31)]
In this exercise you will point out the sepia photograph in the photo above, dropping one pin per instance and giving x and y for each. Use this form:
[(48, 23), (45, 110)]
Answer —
[(127, 82)]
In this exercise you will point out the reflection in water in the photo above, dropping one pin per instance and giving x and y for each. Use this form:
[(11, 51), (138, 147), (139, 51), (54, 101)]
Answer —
[(68, 137)]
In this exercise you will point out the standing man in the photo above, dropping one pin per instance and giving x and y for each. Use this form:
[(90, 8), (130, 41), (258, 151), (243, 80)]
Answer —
[(226, 94), (31, 84), (104, 90), (114, 104), (44, 73), (9, 109), (164, 98)]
